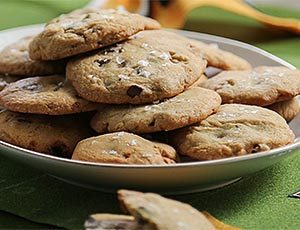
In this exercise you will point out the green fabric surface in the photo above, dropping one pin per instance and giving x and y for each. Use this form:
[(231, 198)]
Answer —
[(8, 220), (31, 199)]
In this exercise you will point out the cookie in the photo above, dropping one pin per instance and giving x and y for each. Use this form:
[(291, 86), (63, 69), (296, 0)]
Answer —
[(233, 131), (123, 148), (261, 86), (191, 106), (6, 79), (56, 136), (140, 70), (157, 212), (219, 58), (85, 30), (287, 109), (15, 60), (51, 95)]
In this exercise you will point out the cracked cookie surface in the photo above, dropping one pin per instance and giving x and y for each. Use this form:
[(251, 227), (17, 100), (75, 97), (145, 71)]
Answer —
[(15, 60), (123, 148), (191, 106), (261, 86), (140, 70), (51, 95), (85, 30), (56, 136), (234, 130)]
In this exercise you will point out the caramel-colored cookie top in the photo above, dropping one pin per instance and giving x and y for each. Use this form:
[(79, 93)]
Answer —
[(219, 58), (233, 131), (261, 86), (140, 70), (84, 30), (162, 213), (46, 134), (191, 106), (15, 60), (51, 95), (123, 148)]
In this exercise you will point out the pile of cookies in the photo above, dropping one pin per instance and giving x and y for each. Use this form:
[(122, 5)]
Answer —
[(113, 87)]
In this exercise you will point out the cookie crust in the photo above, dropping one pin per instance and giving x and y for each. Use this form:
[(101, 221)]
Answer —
[(85, 30), (191, 106), (140, 70), (51, 95)]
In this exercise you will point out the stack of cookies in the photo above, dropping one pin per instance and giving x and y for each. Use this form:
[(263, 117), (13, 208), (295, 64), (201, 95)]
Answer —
[(112, 87)]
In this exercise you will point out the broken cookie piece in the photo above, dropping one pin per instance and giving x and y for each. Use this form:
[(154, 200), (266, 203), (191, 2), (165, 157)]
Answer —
[(150, 211)]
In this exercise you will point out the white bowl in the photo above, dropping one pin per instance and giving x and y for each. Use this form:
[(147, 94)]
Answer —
[(171, 179)]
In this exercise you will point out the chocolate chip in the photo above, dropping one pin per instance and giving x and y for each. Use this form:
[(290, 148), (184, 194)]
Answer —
[(112, 49), (102, 62), (256, 148), (134, 91), (138, 70)]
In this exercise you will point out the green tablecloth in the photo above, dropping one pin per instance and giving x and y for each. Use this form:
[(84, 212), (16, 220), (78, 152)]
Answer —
[(31, 199)]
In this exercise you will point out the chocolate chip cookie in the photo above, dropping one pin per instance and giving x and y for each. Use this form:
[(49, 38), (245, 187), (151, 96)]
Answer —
[(152, 212), (56, 136), (157, 212), (233, 131), (123, 148), (15, 60), (84, 30), (51, 95), (140, 70), (219, 58), (191, 106), (261, 86), (287, 109)]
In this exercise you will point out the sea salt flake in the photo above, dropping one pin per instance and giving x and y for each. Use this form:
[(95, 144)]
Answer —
[(120, 60), (133, 143), (105, 16), (144, 45), (145, 73), (122, 76), (146, 155), (164, 56), (113, 152), (143, 63)]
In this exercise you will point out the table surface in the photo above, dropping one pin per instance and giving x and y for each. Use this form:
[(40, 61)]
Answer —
[(31, 199)]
